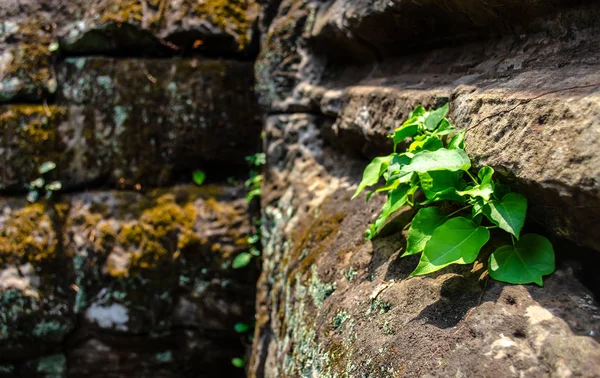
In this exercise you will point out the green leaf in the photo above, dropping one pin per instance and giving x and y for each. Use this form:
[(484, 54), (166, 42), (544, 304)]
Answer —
[(500, 190), (199, 177), (434, 117), (458, 141), (253, 239), (508, 214), (442, 159), (431, 143), (54, 186), (241, 260), (422, 227), (396, 199), (46, 167), (37, 183), (403, 133), (448, 194), (457, 241), (485, 174), (373, 172), (484, 191), (418, 112), (526, 262), (435, 182), (445, 127), (33, 196), (396, 163), (241, 327), (238, 362)]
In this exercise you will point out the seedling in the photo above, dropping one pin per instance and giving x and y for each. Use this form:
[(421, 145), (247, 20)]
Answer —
[(442, 173)]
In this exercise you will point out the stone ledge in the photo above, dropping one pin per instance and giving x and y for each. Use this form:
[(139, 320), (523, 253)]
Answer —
[(137, 121)]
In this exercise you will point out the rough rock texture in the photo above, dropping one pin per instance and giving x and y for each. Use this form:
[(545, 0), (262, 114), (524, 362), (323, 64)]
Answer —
[(125, 284), (146, 121), (530, 103), (522, 78), (331, 304), (33, 33), (132, 95)]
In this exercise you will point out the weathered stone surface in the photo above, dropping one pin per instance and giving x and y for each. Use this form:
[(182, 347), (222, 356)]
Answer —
[(331, 304), (530, 104), (367, 31), (148, 278), (134, 121), (33, 33), (26, 71)]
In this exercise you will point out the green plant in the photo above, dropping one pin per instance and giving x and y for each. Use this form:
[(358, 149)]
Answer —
[(38, 187), (253, 184), (199, 177), (244, 258), (238, 362), (253, 187), (431, 171)]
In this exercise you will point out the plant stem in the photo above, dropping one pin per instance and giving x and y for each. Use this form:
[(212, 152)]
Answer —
[(472, 178), (513, 239), (491, 227), (459, 210)]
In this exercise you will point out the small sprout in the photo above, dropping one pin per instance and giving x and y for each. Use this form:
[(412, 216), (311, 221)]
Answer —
[(46, 167), (253, 239), (238, 362), (37, 183), (241, 260), (441, 172), (52, 85), (258, 159), (54, 186), (254, 251), (253, 194), (32, 196), (241, 327), (53, 47), (199, 177)]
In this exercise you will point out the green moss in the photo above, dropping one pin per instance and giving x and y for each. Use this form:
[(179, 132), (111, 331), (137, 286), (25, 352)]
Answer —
[(339, 318), (319, 291), (31, 130), (27, 236), (54, 366), (228, 15), (31, 60), (51, 330), (130, 11)]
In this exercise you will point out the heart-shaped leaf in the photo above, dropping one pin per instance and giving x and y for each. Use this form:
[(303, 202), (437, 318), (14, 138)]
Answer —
[(457, 241), (432, 143), (435, 182), (241, 260), (373, 172), (457, 142), (439, 160), (434, 117), (508, 214), (396, 199), (422, 227), (403, 133), (526, 262)]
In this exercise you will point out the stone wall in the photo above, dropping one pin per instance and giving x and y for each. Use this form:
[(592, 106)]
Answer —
[(336, 77), (127, 272)]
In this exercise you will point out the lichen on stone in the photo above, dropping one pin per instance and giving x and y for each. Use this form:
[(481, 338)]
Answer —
[(27, 236)]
